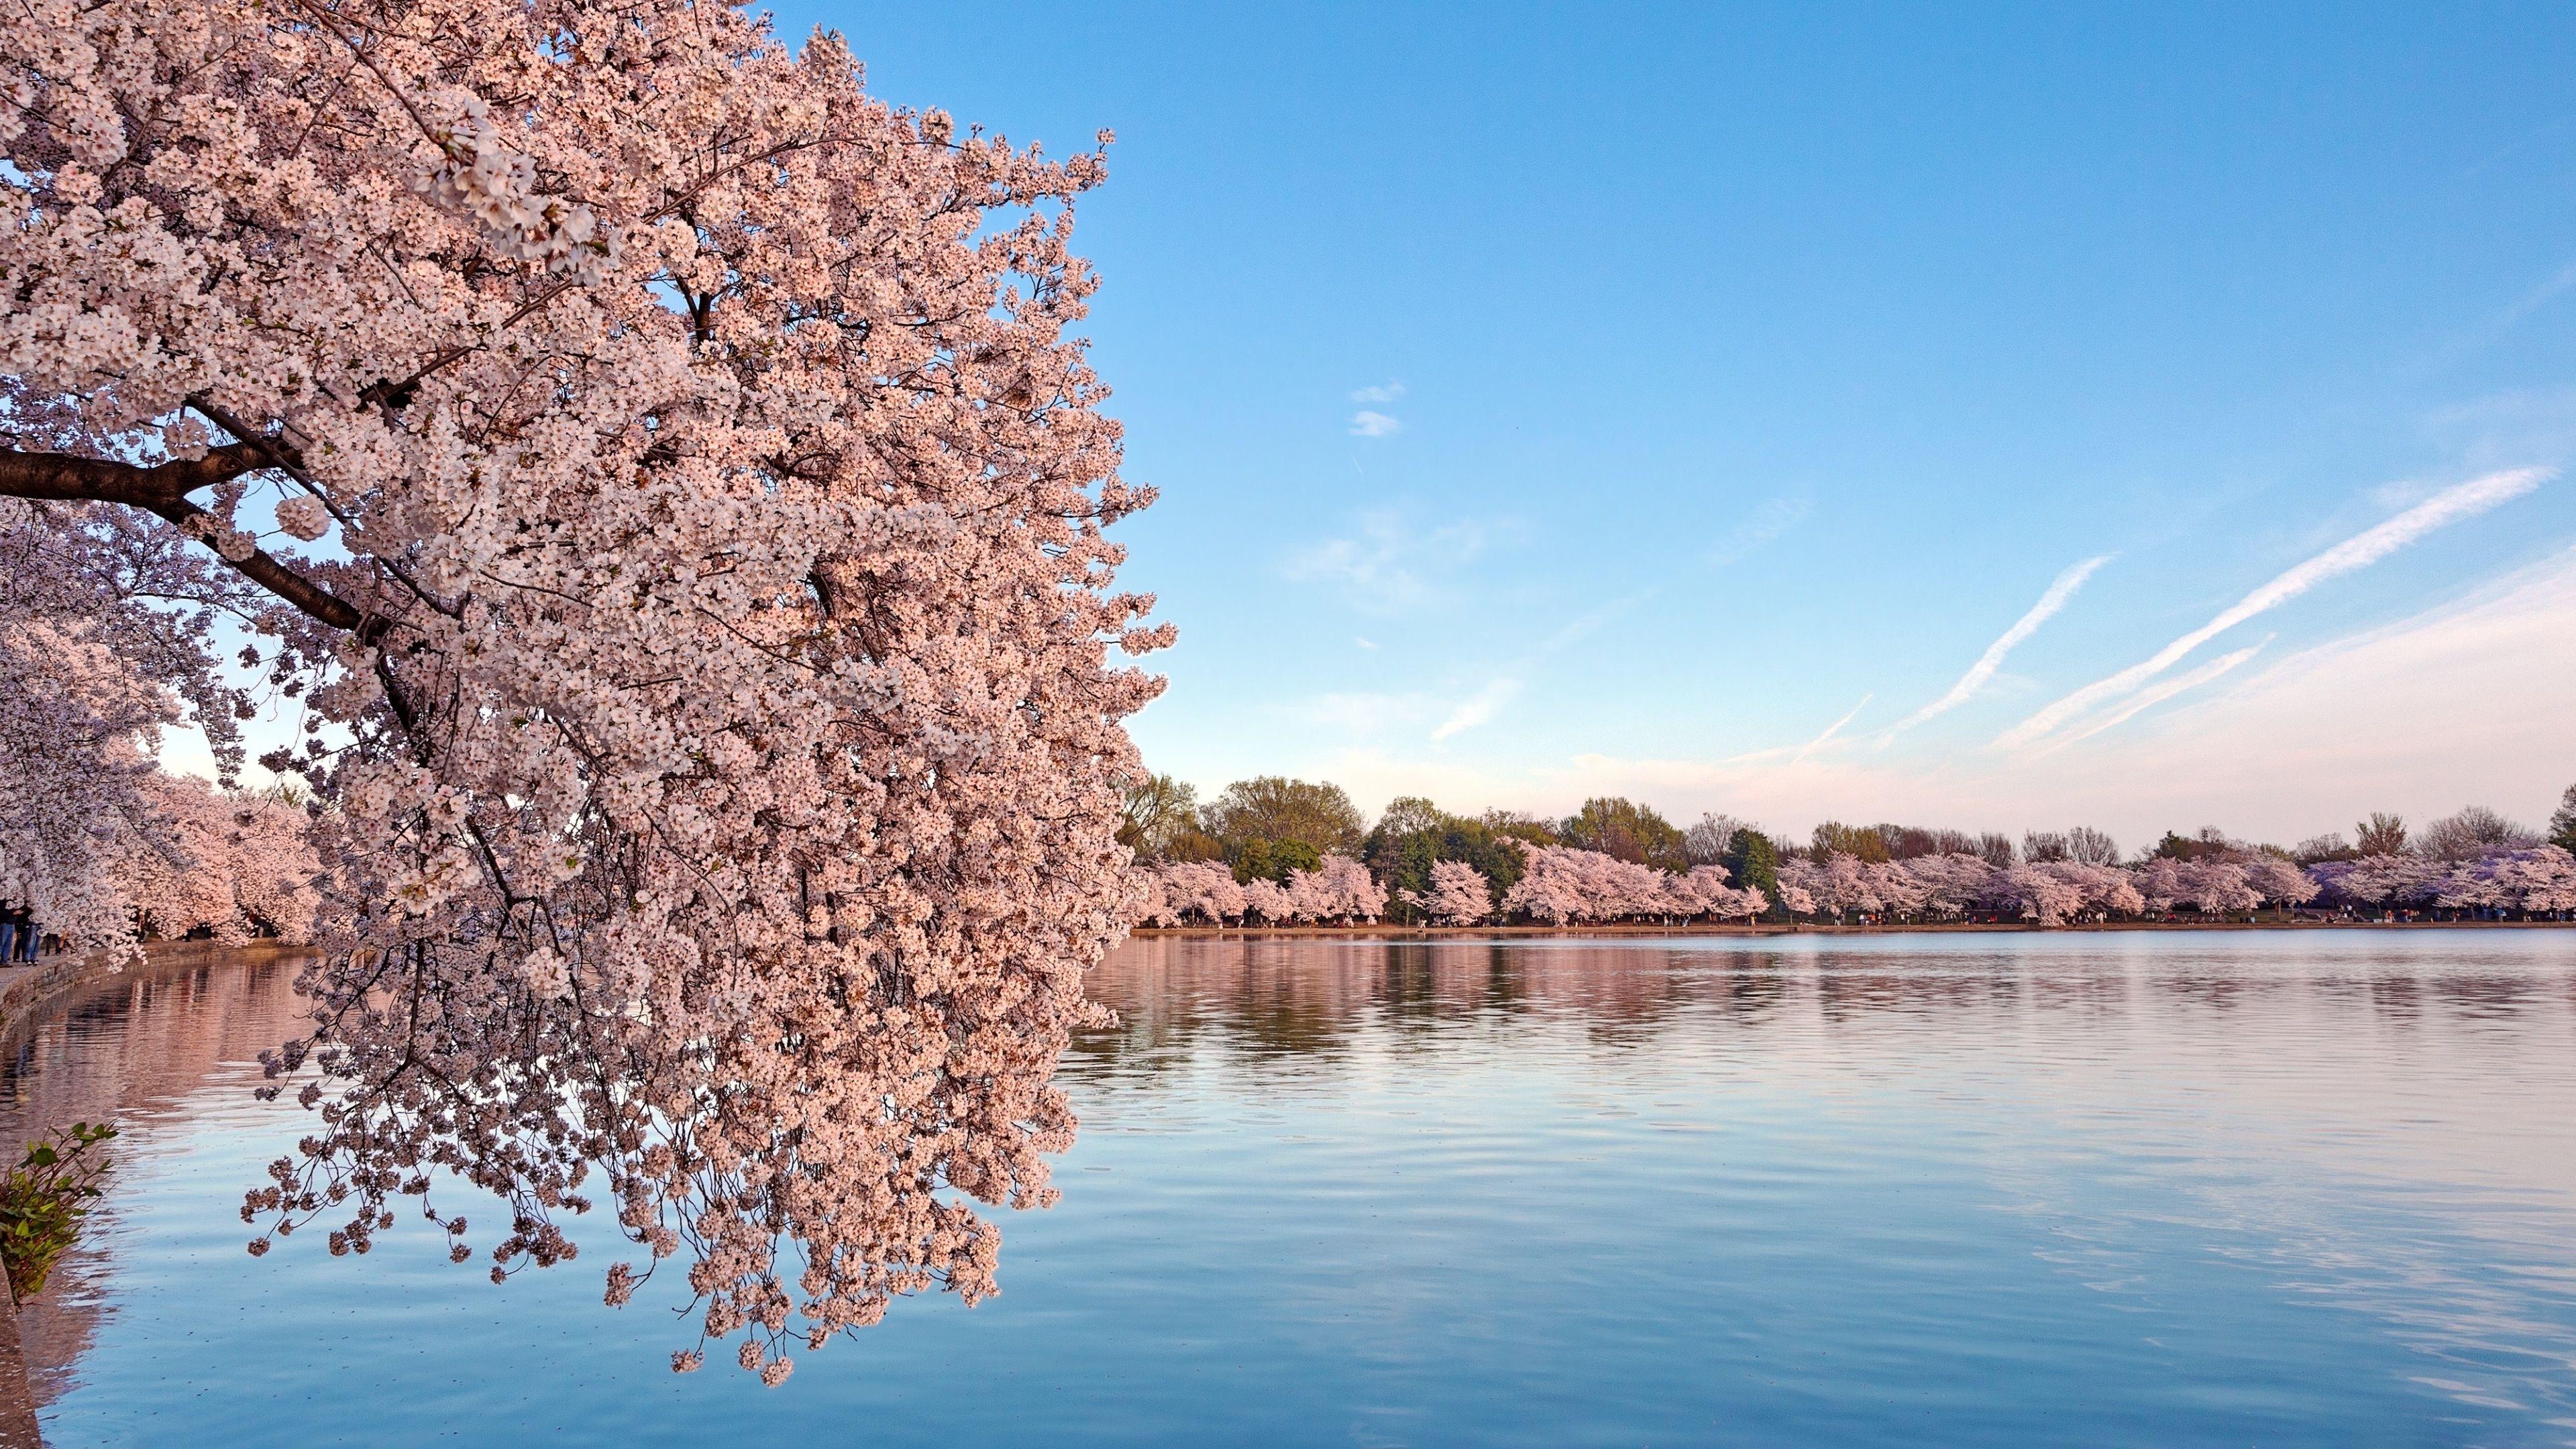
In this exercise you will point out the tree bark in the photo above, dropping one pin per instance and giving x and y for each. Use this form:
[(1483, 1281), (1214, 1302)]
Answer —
[(162, 490)]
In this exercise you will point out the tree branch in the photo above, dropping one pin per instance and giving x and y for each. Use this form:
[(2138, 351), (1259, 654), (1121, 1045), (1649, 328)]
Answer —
[(63, 478), (163, 490)]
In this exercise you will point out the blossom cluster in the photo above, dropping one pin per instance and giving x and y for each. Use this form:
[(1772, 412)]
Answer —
[(479, 175)]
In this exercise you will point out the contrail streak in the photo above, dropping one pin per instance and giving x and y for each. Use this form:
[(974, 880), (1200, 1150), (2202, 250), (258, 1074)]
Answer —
[(1831, 730), (2153, 695), (1987, 663), (2363, 549)]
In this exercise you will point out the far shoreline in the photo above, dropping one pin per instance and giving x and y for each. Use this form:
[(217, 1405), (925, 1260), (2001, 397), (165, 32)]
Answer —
[(1703, 928)]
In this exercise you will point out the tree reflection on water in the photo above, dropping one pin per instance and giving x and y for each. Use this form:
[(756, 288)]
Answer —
[(1306, 997), (127, 1048)]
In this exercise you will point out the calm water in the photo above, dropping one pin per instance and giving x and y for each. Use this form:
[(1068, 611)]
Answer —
[(2184, 1189)]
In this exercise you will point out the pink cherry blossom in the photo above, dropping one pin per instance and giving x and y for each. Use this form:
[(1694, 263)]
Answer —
[(1460, 894), (718, 729), (1202, 890)]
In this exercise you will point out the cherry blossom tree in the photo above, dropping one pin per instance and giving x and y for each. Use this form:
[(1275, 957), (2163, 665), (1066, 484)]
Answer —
[(1460, 894), (1338, 889), (2104, 891), (107, 637), (1953, 882), (2038, 894), (1203, 889), (1901, 891), (1551, 888), (1269, 901), (1846, 887), (2540, 882), (76, 725), (1802, 887), (2219, 886), (1353, 893), (232, 865), (1157, 907), (716, 721), (1795, 898), (1561, 885), (2276, 880), (2376, 881), (1703, 891), (2468, 886)]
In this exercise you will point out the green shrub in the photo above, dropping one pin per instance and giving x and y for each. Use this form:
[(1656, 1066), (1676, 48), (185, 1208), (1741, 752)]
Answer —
[(43, 1202)]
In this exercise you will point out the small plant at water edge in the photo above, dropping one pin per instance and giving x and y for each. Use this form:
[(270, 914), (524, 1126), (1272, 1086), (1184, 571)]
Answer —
[(43, 1202)]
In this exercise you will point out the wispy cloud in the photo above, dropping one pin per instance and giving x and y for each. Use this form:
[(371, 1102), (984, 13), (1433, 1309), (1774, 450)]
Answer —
[(2156, 694), (2466, 701), (1364, 713), (1764, 525), (1489, 701), (1367, 424), (1389, 563), (1831, 730), (1573, 630), (1384, 392), (2363, 549), (1363, 641), (1987, 663), (1478, 708)]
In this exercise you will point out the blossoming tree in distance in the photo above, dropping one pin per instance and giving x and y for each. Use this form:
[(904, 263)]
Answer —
[(710, 635)]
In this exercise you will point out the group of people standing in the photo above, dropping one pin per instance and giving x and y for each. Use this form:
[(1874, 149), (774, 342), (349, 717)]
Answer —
[(19, 939)]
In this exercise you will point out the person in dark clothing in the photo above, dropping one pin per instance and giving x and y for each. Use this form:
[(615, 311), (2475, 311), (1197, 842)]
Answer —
[(27, 934), (8, 932)]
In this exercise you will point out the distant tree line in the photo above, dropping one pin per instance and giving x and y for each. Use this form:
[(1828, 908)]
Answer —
[(1277, 850)]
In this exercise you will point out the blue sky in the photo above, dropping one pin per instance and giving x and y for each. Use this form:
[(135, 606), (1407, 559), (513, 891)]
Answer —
[(1677, 401), (1733, 367)]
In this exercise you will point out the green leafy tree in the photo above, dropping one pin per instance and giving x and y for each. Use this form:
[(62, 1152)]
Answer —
[(2210, 843), (1414, 834), (1399, 852), (2562, 826), (1485, 848), (1407, 815), (1158, 810), (1269, 825), (1273, 807), (2381, 834), (1754, 863), (1619, 827), (1832, 838), (1518, 826), (1272, 859)]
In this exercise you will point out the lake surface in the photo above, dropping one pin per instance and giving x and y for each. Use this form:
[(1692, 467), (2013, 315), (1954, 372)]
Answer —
[(2226, 1188)]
